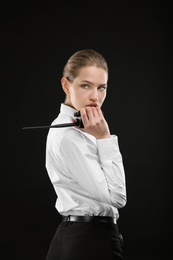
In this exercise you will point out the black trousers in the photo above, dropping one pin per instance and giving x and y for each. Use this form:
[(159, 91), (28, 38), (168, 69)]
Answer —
[(86, 241)]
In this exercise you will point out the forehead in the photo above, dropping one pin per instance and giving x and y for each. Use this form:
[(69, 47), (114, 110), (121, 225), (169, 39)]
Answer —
[(92, 74)]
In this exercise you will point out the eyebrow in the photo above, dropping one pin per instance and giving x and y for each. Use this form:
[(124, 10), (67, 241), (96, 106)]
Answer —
[(86, 81)]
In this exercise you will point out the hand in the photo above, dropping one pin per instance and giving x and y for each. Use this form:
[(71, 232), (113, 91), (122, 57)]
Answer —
[(94, 122)]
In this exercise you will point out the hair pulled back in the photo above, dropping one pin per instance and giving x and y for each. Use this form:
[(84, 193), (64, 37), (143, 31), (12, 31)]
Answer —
[(83, 58)]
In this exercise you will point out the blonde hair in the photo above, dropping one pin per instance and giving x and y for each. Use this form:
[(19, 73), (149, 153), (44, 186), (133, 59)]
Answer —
[(83, 58)]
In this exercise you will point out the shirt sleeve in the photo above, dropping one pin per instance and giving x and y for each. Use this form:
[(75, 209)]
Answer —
[(96, 166), (112, 165)]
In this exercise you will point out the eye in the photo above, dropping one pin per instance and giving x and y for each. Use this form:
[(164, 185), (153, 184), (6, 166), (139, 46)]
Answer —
[(102, 88), (85, 86)]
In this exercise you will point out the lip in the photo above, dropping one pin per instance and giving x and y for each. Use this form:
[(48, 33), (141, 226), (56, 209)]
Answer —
[(92, 105)]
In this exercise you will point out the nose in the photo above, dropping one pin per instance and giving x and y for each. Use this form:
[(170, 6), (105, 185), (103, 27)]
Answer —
[(94, 95)]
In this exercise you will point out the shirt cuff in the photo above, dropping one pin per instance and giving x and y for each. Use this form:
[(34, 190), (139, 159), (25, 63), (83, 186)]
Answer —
[(107, 148)]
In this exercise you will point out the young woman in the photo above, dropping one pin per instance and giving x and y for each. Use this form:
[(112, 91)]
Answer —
[(85, 166)]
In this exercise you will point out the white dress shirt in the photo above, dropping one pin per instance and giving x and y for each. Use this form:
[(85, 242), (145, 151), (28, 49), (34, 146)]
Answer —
[(86, 173)]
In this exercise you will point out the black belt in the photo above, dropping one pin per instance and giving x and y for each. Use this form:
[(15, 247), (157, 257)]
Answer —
[(94, 219)]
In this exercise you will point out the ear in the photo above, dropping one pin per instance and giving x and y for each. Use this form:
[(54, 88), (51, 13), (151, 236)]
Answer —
[(65, 85)]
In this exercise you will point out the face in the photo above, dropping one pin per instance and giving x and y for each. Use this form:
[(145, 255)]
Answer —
[(88, 89)]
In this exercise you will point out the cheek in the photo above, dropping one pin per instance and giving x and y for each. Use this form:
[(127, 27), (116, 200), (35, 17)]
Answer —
[(77, 98), (102, 97), (79, 94), (73, 93)]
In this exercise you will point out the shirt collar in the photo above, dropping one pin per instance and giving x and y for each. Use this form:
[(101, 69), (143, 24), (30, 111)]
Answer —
[(64, 109)]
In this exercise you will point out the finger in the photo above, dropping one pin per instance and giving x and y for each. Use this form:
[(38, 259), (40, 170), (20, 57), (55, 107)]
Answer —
[(90, 114), (95, 112), (99, 111)]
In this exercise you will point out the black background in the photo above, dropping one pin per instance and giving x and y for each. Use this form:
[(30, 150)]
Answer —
[(36, 40)]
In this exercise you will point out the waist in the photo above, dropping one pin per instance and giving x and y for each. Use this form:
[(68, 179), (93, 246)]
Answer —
[(94, 219)]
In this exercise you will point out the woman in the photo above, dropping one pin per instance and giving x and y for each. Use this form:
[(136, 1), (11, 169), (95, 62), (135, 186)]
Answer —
[(85, 166)]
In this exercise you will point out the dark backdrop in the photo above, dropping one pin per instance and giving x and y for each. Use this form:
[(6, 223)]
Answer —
[(135, 38)]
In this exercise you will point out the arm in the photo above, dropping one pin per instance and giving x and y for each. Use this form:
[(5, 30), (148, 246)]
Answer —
[(112, 166), (97, 167)]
